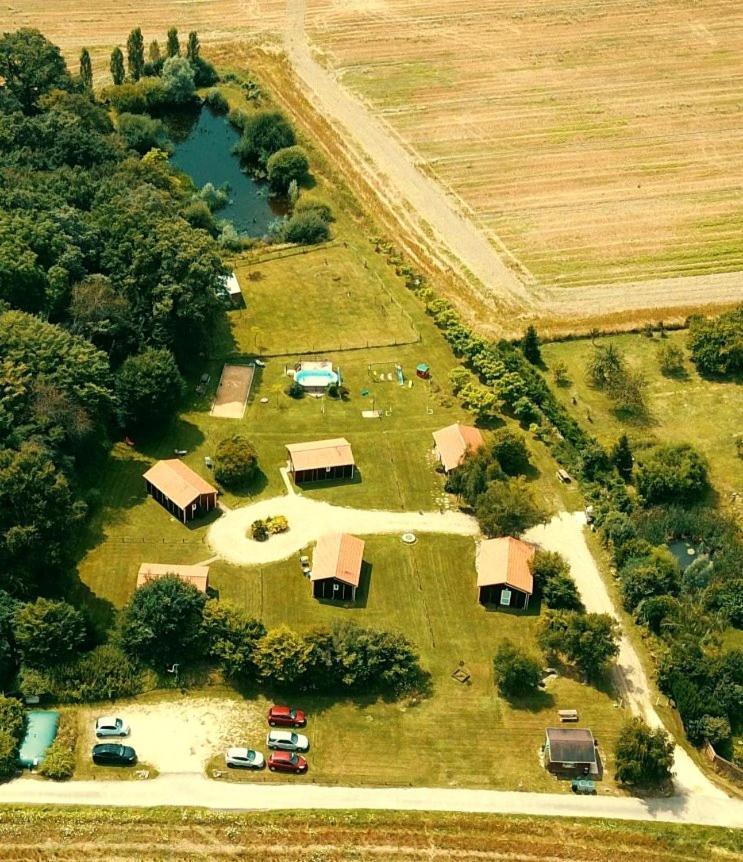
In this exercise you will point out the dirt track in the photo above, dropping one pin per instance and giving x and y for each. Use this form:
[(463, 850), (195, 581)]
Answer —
[(438, 219)]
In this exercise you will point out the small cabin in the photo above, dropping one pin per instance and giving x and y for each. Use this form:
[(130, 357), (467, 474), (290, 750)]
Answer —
[(336, 567)]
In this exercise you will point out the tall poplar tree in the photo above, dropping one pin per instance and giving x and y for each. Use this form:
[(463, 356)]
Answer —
[(135, 54), (117, 66), (193, 48), (174, 47), (86, 69)]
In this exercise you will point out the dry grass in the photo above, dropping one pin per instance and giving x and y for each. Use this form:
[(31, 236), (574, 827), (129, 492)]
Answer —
[(162, 834), (590, 161)]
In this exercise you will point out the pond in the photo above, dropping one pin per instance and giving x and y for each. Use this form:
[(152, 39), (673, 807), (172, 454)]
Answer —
[(684, 552), (203, 144)]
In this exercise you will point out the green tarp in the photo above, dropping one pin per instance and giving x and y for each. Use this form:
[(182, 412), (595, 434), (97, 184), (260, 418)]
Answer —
[(41, 728)]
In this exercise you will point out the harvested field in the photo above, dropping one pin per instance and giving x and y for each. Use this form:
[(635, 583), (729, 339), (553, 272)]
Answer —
[(89, 834), (600, 142), (232, 392)]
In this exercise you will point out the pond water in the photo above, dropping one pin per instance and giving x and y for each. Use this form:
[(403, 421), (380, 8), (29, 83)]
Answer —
[(203, 149), (684, 552)]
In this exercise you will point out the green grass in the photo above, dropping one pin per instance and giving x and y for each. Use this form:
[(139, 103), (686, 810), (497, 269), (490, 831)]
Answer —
[(685, 409), (313, 299)]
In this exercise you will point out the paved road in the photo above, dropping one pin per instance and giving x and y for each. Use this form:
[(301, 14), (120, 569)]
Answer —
[(564, 534), (195, 790)]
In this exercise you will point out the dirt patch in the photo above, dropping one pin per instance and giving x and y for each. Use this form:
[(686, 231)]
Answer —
[(232, 392), (182, 735)]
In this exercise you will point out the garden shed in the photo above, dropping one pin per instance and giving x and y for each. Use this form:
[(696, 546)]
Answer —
[(234, 291), (196, 575), (452, 443), (571, 751), (336, 567), (41, 731), (503, 574), (179, 489), (321, 460)]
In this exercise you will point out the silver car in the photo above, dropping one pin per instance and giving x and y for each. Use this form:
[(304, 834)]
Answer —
[(110, 725), (287, 740), (248, 758)]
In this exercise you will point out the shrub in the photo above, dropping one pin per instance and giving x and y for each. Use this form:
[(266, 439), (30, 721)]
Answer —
[(235, 462), (259, 531), (671, 359), (217, 102), (714, 729), (516, 674), (655, 574), (287, 165), (142, 133), (672, 473), (560, 592), (589, 641), (12, 717), (264, 133), (59, 760), (511, 452), (277, 524), (48, 632), (644, 757), (231, 636), (295, 390), (312, 204), (105, 673), (306, 228), (561, 374), (509, 508), (716, 344), (8, 754)]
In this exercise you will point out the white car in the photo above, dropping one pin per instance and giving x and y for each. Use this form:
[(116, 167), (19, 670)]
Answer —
[(245, 757), (110, 725), (287, 740)]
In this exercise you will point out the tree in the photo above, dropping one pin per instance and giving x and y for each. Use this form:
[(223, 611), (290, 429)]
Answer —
[(86, 70), (118, 74), (375, 660), (178, 80), (671, 359), (654, 574), (644, 757), (142, 133), (310, 203), (530, 345), (589, 641), (8, 651), (9, 746), (306, 229), (627, 390), (163, 622), (281, 657), (235, 462), (286, 166), (509, 508), (263, 134), (154, 54), (231, 636), (516, 674), (552, 578), (173, 47), (511, 452), (193, 48), (135, 54), (622, 458), (48, 632), (716, 344), (672, 473), (12, 724), (30, 67), (606, 365), (149, 387)]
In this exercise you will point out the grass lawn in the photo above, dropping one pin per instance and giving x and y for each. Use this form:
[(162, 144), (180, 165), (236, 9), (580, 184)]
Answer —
[(463, 734), (681, 409), (315, 298)]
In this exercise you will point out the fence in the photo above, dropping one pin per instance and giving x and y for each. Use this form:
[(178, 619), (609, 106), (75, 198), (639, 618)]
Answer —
[(728, 769)]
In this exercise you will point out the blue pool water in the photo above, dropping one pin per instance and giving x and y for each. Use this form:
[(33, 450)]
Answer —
[(316, 377)]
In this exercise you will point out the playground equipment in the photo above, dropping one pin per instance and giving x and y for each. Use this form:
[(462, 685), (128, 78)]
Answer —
[(400, 375), (423, 371)]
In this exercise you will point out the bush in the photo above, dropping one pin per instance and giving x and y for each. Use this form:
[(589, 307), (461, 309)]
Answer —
[(672, 473), (561, 593), (12, 717), (217, 102), (306, 228), (59, 760), (264, 133), (8, 754), (259, 531), (671, 359), (714, 729), (509, 508), (516, 674), (105, 673), (287, 165), (312, 204), (178, 80), (644, 757), (235, 462), (654, 574), (295, 390), (716, 344), (589, 641), (277, 524), (231, 636), (142, 133), (48, 632), (511, 453)]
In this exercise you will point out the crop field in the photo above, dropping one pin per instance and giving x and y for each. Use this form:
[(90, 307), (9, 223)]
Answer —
[(599, 141), (91, 834), (681, 409)]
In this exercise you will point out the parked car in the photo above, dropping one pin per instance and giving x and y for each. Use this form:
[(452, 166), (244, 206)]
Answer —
[(248, 758), (113, 754), (287, 741), (110, 725), (287, 761), (286, 716)]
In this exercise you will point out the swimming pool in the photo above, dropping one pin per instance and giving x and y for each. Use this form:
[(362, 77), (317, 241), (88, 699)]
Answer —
[(312, 378)]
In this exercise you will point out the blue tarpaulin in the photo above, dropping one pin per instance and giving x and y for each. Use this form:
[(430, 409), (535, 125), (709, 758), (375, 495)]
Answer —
[(41, 729)]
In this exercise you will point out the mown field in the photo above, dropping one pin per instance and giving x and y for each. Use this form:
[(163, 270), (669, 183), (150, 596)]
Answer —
[(89, 834), (681, 409), (599, 141)]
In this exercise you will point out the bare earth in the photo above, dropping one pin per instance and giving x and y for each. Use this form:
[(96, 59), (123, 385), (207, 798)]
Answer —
[(564, 534), (310, 519), (232, 392)]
